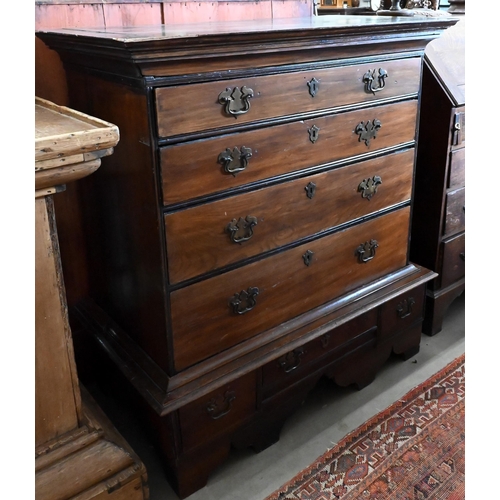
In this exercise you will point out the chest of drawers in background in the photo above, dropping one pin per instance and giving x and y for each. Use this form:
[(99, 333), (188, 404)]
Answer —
[(438, 231), (251, 232)]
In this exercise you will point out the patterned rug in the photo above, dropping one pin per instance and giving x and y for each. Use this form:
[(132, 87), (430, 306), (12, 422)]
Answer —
[(413, 450)]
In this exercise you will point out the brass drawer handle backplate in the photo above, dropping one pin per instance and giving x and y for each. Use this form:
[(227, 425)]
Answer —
[(291, 360), (366, 251), (375, 83), (244, 301), (405, 307), (235, 161), (213, 408), (368, 131), (236, 101), (368, 187), (242, 229)]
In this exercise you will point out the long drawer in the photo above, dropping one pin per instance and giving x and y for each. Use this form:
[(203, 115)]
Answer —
[(214, 105), (297, 363), (204, 167), (214, 235), (215, 314)]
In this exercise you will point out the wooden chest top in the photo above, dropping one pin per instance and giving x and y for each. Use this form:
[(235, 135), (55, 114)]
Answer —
[(234, 46)]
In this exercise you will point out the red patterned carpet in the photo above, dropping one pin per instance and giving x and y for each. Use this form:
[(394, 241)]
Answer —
[(413, 450)]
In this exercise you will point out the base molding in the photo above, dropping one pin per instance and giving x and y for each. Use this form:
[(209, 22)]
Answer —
[(93, 462)]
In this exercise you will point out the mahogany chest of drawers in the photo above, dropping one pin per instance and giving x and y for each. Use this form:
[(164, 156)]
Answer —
[(438, 231), (251, 232)]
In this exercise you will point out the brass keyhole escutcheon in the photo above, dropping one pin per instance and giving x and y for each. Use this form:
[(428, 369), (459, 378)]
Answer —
[(313, 133), (313, 85), (307, 257), (310, 190)]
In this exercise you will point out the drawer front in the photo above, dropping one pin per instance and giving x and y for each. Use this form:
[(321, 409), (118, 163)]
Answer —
[(458, 128), (456, 177), (214, 235), (453, 263), (235, 159), (402, 312), (214, 105), (219, 412), (298, 363), (455, 212), (213, 315)]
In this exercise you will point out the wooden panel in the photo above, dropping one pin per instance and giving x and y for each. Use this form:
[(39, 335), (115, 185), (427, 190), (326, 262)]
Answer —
[(195, 12), (70, 2), (278, 95), (401, 312), (218, 412), (63, 133), (134, 490), (280, 149), (68, 16), (86, 467), (293, 366), (453, 265), (132, 14), (199, 242), (455, 212), (50, 77), (204, 323), (57, 397), (457, 169), (291, 8)]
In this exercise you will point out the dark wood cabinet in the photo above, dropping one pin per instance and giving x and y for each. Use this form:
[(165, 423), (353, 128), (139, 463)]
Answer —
[(250, 234), (438, 231)]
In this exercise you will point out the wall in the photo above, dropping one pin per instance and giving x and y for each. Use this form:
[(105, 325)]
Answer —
[(50, 80)]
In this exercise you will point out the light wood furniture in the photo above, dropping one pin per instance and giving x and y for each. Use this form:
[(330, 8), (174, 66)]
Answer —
[(438, 231), (251, 232), (78, 454)]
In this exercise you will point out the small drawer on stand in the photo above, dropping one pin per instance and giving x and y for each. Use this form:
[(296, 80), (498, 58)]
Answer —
[(453, 265), (401, 312), (457, 169), (300, 362), (455, 212), (219, 412)]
